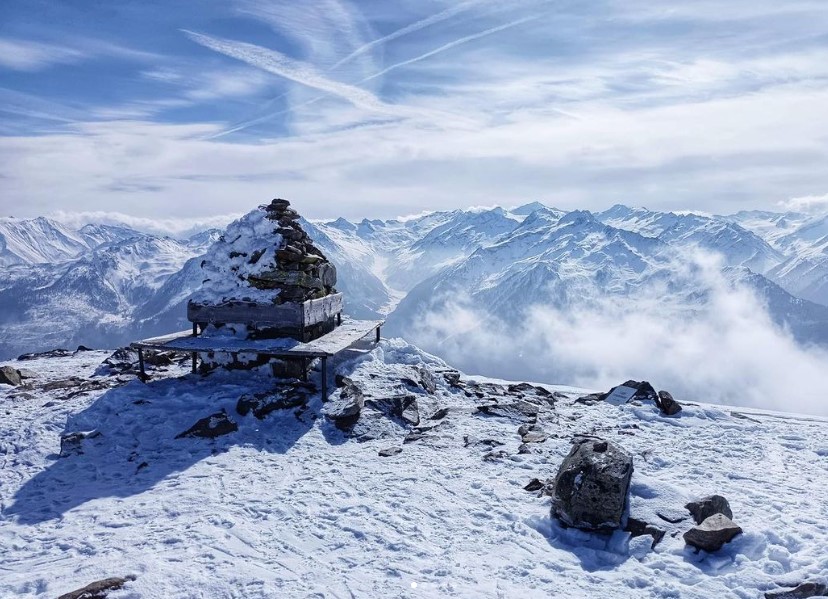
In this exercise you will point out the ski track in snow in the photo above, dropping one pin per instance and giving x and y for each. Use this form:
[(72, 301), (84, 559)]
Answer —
[(290, 507)]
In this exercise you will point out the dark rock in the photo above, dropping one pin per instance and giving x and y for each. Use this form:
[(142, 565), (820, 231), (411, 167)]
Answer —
[(803, 591), (591, 399), (703, 508), (471, 441), (524, 449), (52, 353), (402, 407), (83, 348), (427, 380), (348, 405), (711, 534), (667, 404), (453, 379), (534, 485), (9, 376), (389, 451), (411, 437), (519, 410), (98, 589), (262, 404), (638, 528), (592, 485), (534, 437), (341, 381), (439, 414), (72, 443), (212, 426)]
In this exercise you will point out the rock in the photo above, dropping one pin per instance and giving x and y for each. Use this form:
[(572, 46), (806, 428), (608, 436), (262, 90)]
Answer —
[(72, 443), (803, 591), (52, 353), (9, 376), (389, 451), (534, 437), (411, 437), (262, 404), (667, 404), (98, 589), (519, 410), (25, 373), (703, 508), (402, 407), (524, 449), (711, 534), (638, 528), (439, 414), (212, 426), (348, 405), (427, 380), (534, 485), (453, 379), (592, 485)]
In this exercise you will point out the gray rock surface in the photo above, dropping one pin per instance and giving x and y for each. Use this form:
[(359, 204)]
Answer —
[(711, 534), (348, 405), (9, 376), (668, 405), (72, 443), (98, 589), (592, 485)]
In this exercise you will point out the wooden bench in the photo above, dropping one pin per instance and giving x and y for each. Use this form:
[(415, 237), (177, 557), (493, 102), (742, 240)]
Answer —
[(326, 346)]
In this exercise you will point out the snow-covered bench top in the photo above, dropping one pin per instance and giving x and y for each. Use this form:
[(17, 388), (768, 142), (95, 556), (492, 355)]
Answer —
[(341, 338)]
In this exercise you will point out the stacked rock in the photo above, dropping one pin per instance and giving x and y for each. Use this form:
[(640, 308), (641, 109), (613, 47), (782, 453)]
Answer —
[(301, 271)]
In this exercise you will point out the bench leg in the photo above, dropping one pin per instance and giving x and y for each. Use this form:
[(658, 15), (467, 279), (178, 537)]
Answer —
[(195, 360), (324, 378), (141, 365), (195, 329), (338, 318), (305, 370), (378, 334)]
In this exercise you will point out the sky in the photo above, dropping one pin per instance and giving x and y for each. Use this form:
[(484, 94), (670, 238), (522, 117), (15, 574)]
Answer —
[(372, 108)]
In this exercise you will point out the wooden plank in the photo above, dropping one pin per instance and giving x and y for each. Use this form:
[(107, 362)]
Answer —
[(334, 342), (322, 309), (301, 315), (340, 338)]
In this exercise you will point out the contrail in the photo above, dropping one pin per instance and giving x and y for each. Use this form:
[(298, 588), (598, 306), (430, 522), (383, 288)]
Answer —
[(284, 66), (449, 46), (421, 24)]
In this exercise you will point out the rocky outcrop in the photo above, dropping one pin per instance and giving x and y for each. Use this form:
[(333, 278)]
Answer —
[(711, 534), (702, 509), (345, 409), (592, 485), (262, 404), (401, 407), (98, 589), (212, 426)]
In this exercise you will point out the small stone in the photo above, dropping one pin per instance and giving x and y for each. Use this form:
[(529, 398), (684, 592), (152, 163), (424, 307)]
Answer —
[(389, 451), (210, 427), (711, 534), (98, 589), (638, 528), (534, 437), (534, 485), (803, 591), (348, 405), (708, 506), (439, 414)]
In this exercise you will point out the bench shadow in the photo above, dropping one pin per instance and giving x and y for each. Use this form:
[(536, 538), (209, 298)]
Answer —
[(137, 446)]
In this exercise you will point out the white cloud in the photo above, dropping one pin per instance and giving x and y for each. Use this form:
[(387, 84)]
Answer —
[(811, 204), (174, 227), (24, 55), (727, 351)]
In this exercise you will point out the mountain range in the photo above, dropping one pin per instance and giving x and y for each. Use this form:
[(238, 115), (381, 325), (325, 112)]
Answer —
[(104, 285)]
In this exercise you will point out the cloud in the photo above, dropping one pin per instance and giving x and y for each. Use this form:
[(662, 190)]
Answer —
[(174, 227), (439, 17), (811, 204), (24, 55), (726, 350), (294, 70)]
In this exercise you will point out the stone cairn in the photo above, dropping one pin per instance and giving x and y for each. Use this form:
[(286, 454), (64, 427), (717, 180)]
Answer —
[(301, 271)]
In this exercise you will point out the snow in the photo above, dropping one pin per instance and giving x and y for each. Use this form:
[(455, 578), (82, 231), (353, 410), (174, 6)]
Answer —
[(291, 507), (227, 262)]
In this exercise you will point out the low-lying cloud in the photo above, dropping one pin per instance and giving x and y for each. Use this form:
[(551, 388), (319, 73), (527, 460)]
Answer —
[(726, 349)]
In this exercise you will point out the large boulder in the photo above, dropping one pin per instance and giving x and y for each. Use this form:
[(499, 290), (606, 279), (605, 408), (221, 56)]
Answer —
[(705, 507), (668, 405), (9, 376), (347, 406), (711, 534), (592, 485)]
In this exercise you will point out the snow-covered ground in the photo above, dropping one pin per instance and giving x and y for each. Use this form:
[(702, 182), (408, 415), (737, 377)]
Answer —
[(290, 506)]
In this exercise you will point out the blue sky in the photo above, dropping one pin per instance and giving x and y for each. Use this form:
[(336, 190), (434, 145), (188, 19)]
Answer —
[(378, 108)]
